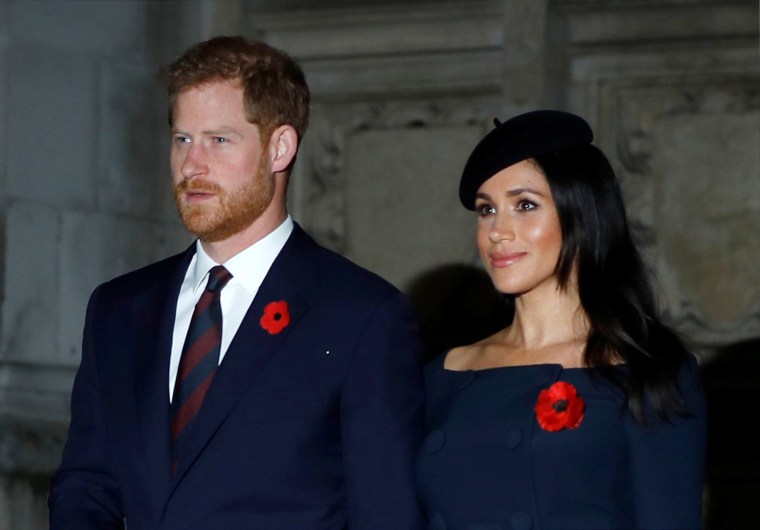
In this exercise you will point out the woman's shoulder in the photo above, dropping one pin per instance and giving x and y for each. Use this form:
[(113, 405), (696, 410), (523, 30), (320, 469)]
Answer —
[(448, 366), (440, 363), (460, 358)]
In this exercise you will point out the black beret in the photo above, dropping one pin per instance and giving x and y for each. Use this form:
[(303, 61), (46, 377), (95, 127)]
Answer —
[(520, 138)]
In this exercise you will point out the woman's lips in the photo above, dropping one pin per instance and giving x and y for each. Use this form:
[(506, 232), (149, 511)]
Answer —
[(506, 259)]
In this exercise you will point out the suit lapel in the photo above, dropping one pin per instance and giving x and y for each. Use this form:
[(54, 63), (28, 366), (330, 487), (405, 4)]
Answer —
[(156, 311), (289, 280)]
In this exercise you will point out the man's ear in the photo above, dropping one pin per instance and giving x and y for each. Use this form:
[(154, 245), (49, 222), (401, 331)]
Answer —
[(283, 145)]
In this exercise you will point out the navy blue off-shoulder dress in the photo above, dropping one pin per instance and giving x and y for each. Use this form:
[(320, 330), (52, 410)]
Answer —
[(487, 463)]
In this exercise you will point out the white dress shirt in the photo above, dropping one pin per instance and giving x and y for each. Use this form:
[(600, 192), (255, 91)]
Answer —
[(248, 269)]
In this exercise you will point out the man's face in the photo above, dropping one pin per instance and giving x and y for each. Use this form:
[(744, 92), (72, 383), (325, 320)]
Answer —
[(221, 175)]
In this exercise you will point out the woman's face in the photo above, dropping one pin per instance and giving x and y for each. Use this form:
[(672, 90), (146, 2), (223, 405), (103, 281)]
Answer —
[(519, 233)]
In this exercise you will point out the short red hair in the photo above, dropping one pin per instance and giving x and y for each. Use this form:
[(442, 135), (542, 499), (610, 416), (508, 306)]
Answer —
[(274, 86)]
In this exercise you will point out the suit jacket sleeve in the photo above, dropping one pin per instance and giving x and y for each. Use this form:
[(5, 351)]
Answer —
[(667, 462), (381, 421), (84, 494)]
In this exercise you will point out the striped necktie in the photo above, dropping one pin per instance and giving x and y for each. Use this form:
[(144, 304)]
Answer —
[(199, 360)]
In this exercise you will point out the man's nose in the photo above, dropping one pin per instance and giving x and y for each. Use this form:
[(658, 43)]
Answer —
[(195, 162)]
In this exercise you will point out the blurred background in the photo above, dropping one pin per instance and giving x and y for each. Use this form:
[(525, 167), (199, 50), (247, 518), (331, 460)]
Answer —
[(402, 91)]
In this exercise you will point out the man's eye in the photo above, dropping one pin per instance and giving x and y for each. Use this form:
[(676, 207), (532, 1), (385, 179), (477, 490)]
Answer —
[(220, 139)]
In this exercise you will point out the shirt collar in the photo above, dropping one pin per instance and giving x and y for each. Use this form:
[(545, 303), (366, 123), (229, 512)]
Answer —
[(248, 267)]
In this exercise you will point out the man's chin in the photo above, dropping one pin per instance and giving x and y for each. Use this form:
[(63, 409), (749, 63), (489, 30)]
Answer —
[(213, 230), (209, 235), (198, 224)]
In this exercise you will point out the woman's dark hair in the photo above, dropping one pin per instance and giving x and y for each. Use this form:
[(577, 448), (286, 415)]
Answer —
[(613, 282)]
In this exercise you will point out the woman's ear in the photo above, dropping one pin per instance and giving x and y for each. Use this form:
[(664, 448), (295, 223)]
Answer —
[(283, 145)]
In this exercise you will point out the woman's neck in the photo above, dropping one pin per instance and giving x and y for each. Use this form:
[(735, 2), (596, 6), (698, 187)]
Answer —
[(542, 319)]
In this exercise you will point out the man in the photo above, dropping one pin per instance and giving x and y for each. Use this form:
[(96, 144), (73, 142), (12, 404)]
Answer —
[(281, 391)]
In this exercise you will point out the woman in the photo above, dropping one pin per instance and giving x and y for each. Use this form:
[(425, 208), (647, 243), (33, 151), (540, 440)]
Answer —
[(585, 411)]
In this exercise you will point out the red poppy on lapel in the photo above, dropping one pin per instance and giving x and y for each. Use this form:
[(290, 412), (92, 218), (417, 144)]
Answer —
[(559, 407), (276, 317)]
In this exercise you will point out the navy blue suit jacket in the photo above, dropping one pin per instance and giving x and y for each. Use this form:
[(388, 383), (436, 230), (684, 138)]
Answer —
[(315, 427)]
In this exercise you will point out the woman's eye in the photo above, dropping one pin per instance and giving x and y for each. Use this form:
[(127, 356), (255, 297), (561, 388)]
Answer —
[(484, 209), (526, 205)]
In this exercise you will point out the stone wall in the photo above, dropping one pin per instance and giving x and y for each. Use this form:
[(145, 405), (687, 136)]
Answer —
[(85, 196), (402, 92)]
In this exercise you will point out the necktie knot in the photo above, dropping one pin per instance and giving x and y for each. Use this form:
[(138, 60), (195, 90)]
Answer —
[(218, 277)]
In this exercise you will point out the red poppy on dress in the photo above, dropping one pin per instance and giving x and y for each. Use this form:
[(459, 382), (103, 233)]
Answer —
[(276, 317), (559, 407)]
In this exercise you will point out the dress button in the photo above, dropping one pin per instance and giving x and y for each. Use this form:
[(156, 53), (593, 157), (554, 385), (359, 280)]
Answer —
[(514, 437), (521, 521), (437, 522), (434, 441), (464, 379)]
